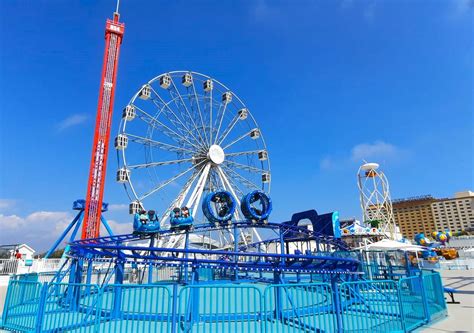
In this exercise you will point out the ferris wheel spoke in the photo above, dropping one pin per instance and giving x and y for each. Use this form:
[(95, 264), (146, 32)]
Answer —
[(244, 181), (220, 122), (243, 136), (178, 201), (167, 182), (155, 164), (232, 182), (165, 129), (228, 129), (210, 118), (241, 153), (171, 112), (248, 168), (187, 111), (158, 144), (199, 110)]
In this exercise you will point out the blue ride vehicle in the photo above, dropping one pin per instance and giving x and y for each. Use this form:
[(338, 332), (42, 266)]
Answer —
[(181, 219), (146, 222), (219, 207), (256, 206)]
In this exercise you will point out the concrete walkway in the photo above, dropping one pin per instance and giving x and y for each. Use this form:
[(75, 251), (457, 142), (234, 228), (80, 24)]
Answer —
[(460, 316)]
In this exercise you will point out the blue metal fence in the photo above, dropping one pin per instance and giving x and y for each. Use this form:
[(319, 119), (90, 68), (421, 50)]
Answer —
[(434, 296), (22, 304), (412, 303), (220, 308), (362, 306), (370, 306), (299, 308)]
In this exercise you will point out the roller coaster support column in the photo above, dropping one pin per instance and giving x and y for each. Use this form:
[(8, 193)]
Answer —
[(150, 265), (337, 302), (75, 279), (278, 295), (186, 255), (236, 248), (76, 223), (90, 266), (119, 273), (282, 248)]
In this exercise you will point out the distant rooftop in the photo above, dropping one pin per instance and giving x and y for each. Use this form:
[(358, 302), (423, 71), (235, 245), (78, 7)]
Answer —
[(417, 198), (457, 195)]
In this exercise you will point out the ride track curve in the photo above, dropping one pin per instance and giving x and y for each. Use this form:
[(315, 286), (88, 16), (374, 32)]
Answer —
[(121, 249)]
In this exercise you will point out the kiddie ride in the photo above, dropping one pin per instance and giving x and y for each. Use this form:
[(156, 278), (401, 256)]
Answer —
[(436, 249), (298, 250)]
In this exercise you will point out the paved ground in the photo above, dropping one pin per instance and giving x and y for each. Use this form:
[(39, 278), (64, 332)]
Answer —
[(461, 316)]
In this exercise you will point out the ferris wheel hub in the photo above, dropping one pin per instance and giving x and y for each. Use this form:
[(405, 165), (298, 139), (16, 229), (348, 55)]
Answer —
[(216, 154)]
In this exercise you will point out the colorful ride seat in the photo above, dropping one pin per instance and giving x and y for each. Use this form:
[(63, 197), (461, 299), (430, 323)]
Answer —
[(178, 221), (249, 204), (146, 223), (219, 207)]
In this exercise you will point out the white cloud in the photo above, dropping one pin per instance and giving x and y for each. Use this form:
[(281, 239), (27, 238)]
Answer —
[(7, 204), (74, 120), (118, 228), (38, 229), (377, 150), (326, 163), (117, 207), (41, 229)]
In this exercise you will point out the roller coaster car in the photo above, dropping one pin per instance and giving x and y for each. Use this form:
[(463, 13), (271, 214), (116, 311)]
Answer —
[(219, 207), (146, 223), (180, 221), (256, 206)]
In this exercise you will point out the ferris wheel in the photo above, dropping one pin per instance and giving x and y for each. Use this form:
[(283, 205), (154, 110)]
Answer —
[(184, 135)]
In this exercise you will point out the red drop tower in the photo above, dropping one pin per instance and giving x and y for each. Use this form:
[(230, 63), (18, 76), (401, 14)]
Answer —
[(95, 187)]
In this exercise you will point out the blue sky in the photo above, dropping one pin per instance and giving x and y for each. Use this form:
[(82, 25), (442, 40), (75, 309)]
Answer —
[(330, 83)]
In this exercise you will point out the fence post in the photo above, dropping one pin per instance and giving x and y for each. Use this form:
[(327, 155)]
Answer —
[(119, 273), (424, 298), (337, 303), (41, 307), (174, 308), (400, 303)]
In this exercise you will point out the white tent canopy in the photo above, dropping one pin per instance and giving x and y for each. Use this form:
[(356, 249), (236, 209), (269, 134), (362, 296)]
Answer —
[(387, 244)]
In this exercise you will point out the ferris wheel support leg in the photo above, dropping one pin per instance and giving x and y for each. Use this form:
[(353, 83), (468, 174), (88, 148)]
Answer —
[(78, 219)]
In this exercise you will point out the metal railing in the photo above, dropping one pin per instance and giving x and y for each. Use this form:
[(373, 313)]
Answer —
[(362, 306), (370, 306), (20, 266)]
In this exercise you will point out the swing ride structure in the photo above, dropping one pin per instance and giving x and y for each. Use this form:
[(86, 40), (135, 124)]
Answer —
[(204, 254)]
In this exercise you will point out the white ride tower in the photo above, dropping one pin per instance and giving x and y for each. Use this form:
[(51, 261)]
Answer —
[(375, 200)]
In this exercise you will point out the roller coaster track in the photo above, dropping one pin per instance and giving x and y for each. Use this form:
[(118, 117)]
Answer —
[(121, 248)]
